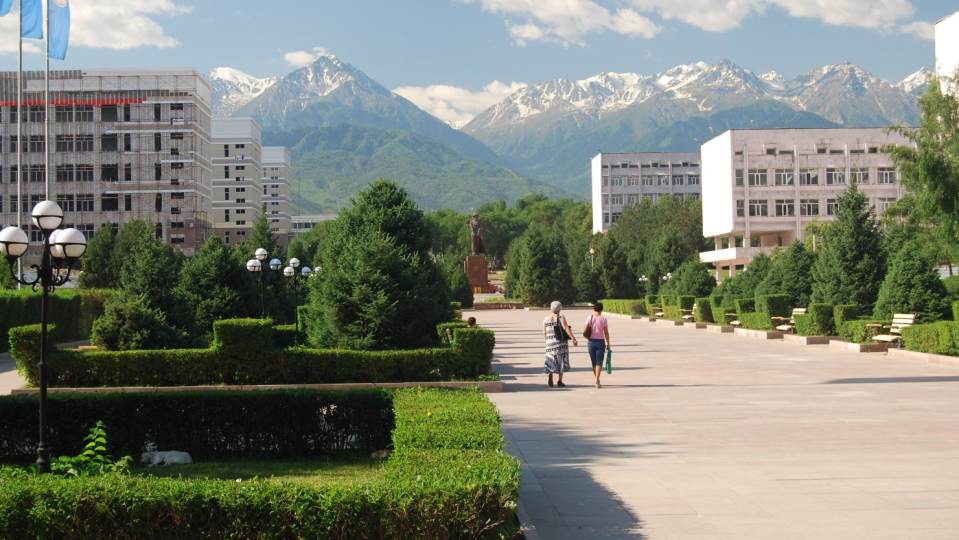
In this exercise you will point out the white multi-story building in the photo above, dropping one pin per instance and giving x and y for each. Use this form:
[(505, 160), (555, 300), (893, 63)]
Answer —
[(762, 187), (248, 177), (623, 179), (125, 144), (306, 222), (947, 46)]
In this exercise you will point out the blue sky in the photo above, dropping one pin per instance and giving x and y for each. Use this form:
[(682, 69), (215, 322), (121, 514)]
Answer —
[(473, 52)]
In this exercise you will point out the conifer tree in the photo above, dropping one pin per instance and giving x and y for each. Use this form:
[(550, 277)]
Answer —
[(912, 285), (614, 274), (792, 275), (214, 287), (99, 270), (692, 278)]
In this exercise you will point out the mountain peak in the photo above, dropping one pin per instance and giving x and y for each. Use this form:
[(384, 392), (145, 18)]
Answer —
[(232, 89), (916, 83)]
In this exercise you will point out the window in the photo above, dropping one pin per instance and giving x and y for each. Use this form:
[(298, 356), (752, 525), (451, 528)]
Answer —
[(177, 225), (887, 175), (785, 207), (241, 222), (605, 200), (664, 180), (241, 233), (809, 177), (108, 143), (809, 207), (63, 114), (835, 176), (64, 143), (109, 173), (885, 202), (834, 152), (157, 113), (176, 106), (821, 150), (176, 165), (226, 215), (740, 208), (108, 113), (616, 216), (739, 177), (758, 177), (784, 177), (83, 143), (35, 143), (176, 196), (678, 180), (831, 206), (126, 113), (240, 190), (226, 194), (617, 199), (65, 202), (127, 142), (241, 211), (127, 172), (759, 208), (770, 151), (158, 172), (36, 173), (174, 210), (83, 113), (85, 203), (128, 202), (606, 217), (178, 136), (109, 203), (36, 235), (243, 168), (630, 199), (240, 146), (633, 180), (34, 114), (157, 142), (158, 203), (617, 180), (177, 239), (695, 196), (87, 230), (84, 173), (241, 201), (649, 181), (860, 175), (694, 179), (226, 153)]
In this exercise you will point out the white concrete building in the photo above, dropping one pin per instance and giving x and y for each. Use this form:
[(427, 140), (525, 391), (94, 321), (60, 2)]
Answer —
[(277, 190), (947, 47), (306, 222), (622, 179), (761, 187)]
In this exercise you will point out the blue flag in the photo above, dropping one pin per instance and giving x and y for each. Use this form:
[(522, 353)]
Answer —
[(5, 6), (59, 28), (31, 19)]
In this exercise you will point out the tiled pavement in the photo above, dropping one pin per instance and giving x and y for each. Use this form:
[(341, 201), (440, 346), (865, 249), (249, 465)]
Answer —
[(698, 435)]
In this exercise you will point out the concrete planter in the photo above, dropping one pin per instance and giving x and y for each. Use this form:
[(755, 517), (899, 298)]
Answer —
[(759, 334), (694, 325), (858, 347), (668, 322), (487, 387), (649, 319), (929, 358), (808, 340), (719, 328), (621, 316), (497, 305)]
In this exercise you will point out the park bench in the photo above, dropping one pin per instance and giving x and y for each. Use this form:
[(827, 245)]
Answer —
[(449, 335), (899, 321), (790, 322), (688, 315), (87, 348), (658, 311), (732, 320)]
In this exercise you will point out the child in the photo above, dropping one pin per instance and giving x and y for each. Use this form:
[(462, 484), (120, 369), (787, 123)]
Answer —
[(471, 322)]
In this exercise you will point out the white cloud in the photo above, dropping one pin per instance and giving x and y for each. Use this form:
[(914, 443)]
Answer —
[(920, 29), (566, 21), (122, 24), (455, 104), (300, 59)]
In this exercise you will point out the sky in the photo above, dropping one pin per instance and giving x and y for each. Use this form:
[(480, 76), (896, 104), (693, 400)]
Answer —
[(455, 58)]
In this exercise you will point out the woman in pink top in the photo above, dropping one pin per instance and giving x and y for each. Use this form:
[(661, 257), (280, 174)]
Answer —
[(598, 339)]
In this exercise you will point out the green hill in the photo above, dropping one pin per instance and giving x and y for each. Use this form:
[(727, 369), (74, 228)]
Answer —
[(330, 164)]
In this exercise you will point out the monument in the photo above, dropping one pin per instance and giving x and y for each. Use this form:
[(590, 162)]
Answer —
[(475, 265)]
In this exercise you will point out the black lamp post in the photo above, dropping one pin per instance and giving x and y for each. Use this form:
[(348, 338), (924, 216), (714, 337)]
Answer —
[(61, 250), (290, 272), (256, 265)]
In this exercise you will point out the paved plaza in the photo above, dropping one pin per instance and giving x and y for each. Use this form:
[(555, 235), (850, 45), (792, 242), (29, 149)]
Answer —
[(699, 435)]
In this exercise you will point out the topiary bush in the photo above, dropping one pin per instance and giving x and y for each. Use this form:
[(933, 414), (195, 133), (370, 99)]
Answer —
[(775, 305), (935, 338), (745, 305), (652, 303), (859, 331), (756, 321), (818, 321), (843, 313), (704, 311), (625, 307)]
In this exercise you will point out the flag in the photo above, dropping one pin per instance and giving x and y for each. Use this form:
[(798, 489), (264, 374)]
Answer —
[(59, 28), (5, 6), (31, 19)]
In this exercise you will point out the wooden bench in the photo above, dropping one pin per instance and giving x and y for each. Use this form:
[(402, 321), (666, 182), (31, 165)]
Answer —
[(658, 311), (87, 348), (732, 319), (688, 315), (899, 321), (790, 326)]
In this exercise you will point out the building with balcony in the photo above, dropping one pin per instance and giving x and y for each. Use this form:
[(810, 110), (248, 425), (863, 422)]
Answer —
[(762, 187), (623, 179), (124, 144)]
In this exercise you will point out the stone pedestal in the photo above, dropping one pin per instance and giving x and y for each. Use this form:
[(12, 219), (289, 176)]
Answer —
[(477, 272)]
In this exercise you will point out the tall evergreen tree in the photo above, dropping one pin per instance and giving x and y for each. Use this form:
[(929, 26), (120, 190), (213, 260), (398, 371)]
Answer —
[(614, 274), (298, 251), (214, 287), (99, 267), (792, 275), (912, 285), (745, 282), (692, 278), (849, 266), (514, 260)]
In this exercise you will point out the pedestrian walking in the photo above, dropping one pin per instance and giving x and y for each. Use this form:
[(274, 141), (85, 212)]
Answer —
[(597, 332), (556, 332)]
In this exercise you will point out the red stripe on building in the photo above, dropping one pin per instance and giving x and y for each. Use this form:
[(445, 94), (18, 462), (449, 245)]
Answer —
[(94, 102)]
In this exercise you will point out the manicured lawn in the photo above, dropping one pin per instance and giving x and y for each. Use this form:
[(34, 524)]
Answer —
[(317, 473)]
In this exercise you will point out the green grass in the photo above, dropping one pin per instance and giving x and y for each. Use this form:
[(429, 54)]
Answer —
[(315, 473)]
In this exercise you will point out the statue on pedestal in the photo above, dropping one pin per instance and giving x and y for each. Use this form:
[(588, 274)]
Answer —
[(476, 226)]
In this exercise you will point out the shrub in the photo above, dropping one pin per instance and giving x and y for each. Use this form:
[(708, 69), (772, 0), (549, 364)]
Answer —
[(952, 286), (283, 336), (442, 327), (691, 278), (791, 275), (130, 323), (92, 303), (685, 302), (716, 308), (431, 418), (774, 305), (859, 331), (243, 337), (25, 343), (264, 424), (843, 313), (474, 347), (912, 285), (935, 338), (955, 311), (651, 303), (756, 321), (704, 311), (20, 308), (625, 307), (818, 321), (670, 306), (745, 305)]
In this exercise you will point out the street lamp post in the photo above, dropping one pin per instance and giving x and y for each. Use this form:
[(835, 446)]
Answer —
[(61, 250), (591, 251), (290, 272), (256, 265), (668, 276), (643, 279)]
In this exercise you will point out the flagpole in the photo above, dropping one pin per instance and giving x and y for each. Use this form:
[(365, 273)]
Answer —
[(46, 115), (19, 110)]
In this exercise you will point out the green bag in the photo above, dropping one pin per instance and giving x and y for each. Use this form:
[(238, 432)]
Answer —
[(609, 360)]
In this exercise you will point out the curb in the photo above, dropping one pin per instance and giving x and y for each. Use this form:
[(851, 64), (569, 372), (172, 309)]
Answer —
[(487, 387)]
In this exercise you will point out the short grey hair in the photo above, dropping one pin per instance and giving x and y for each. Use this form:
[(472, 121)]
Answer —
[(556, 306)]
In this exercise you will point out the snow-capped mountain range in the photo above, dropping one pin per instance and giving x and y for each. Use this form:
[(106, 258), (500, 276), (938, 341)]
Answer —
[(233, 89)]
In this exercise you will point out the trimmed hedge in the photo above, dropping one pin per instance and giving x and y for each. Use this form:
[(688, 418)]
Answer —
[(935, 338), (244, 352), (433, 486), (858, 331), (704, 311), (843, 313), (955, 311), (745, 305), (268, 424), (652, 303), (449, 325), (717, 309), (72, 311), (757, 320), (670, 306), (818, 321), (625, 307), (775, 305)]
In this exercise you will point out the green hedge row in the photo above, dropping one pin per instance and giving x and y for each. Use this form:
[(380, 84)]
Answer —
[(718, 309), (72, 311), (757, 320), (818, 321), (459, 489), (955, 311), (275, 424), (244, 352), (745, 305), (776, 305), (936, 338), (859, 331), (652, 303), (625, 307), (704, 311)]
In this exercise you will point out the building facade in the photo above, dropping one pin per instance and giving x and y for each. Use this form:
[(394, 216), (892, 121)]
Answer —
[(306, 222), (277, 191), (762, 187), (623, 179), (947, 47), (123, 145)]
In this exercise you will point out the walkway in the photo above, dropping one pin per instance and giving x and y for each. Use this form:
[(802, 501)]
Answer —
[(698, 435)]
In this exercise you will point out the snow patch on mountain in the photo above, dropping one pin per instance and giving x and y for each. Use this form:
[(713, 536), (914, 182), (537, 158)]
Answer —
[(232, 89)]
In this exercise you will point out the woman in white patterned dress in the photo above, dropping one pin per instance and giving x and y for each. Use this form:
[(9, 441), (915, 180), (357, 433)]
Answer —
[(557, 349)]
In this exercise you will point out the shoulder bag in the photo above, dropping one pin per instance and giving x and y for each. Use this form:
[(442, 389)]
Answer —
[(560, 332), (589, 328)]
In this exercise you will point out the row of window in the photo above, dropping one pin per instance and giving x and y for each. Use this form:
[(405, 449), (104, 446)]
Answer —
[(85, 202), (85, 143), (652, 180), (84, 113), (835, 176), (652, 165), (84, 173), (633, 198), (807, 207), (819, 150)]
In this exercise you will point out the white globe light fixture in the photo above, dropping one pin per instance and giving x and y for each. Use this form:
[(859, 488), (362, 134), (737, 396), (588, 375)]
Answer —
[(305, 271), (276, 264), (294, 262), (13, 243), (253, 265), (55, 250), (289, 271), (71, 243), (47, 215), (260, 254)]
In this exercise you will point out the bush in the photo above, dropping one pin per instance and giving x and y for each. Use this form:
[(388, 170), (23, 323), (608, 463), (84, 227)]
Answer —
[(652, 305), (859, 331), (431, 418), (774, 305), (717, 309), (843, 313), (20, 308), (670, 306), (704, 311), (244, 352), (625, 307), (955, 310), (686, 302), (935, 338), (818, 321), (283, 336), (130, 323), (791, 275), (92, 302), (745, 305), (952, 286), (442, 327), (912, 285), (756, 321)]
